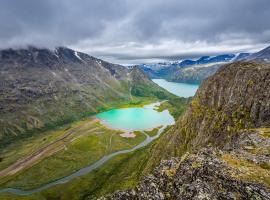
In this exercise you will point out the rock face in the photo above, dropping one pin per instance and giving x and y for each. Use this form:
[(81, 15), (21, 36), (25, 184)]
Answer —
[(220, 144), (42, 88), (235, 172), (204, 175)]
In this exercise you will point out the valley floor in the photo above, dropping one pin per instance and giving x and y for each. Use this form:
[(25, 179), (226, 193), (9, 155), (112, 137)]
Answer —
[(42, 159), (75, 147)]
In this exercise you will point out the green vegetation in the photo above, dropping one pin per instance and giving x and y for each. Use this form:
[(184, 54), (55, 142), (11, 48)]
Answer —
[(247, 170), (39, 107), (71, 118), (122, 172), (264, 132), (8, 196), (89, 144), (176, 106), (152, 132), (142, 91)]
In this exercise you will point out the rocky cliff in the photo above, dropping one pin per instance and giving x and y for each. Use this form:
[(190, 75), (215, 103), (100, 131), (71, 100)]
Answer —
[(220, 144), (235, 98)]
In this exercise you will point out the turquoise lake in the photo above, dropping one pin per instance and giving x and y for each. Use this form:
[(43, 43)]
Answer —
[(131, 119), (179, 89)]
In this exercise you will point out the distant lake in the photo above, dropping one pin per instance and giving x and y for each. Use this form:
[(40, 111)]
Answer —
[(131, 119), (179, 89)]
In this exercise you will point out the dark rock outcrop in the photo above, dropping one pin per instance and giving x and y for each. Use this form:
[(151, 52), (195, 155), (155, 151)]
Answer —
[(204, 175)]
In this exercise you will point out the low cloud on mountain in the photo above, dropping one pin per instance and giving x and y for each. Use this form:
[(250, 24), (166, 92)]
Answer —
[(127, 31)]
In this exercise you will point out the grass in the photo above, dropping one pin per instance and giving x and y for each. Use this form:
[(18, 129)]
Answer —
[(8, 196), (264, 132), (176, 106), (153, 132), (24, 147), (247, 170), (121, 172), (9, 154), (52, 121), (82, 151)]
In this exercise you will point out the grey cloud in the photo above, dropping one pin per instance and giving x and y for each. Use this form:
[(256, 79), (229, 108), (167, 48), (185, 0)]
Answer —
[(128, 29)]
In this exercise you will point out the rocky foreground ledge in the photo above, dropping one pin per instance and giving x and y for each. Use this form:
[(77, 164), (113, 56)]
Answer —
[(238, 171)]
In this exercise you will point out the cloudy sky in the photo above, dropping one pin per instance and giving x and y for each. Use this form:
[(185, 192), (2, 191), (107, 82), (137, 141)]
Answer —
[(134, 31)]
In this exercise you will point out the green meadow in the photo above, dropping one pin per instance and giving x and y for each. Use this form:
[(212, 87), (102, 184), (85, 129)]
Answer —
[(87, 141)]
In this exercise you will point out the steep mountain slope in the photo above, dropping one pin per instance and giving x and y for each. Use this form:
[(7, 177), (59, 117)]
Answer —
[(41, 88), (142, 87), (241, 56), (235, 98), (194, 74), (222, 140)]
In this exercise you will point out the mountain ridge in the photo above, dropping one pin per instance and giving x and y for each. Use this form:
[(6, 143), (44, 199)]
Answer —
[(194, 71)]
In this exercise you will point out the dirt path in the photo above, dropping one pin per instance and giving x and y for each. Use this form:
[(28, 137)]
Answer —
[(43, 152)]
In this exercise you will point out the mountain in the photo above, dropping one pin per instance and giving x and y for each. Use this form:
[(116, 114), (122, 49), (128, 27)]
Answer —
[(194, 71), (241, 56), (194, 74), (261, 56), (198, 72), (189, 62), (208, 60), (190, 71), (219, 148), (41, 89)]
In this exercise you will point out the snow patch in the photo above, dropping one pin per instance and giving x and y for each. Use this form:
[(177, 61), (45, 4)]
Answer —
[(56, 53), (98, 62), (235, 56), (76, 54), (206, 65)]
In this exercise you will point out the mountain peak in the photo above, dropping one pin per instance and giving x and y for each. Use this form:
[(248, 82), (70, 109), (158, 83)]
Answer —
[(261, 56)]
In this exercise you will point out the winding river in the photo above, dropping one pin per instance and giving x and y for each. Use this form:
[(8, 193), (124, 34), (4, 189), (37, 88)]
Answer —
[(86, 169)]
